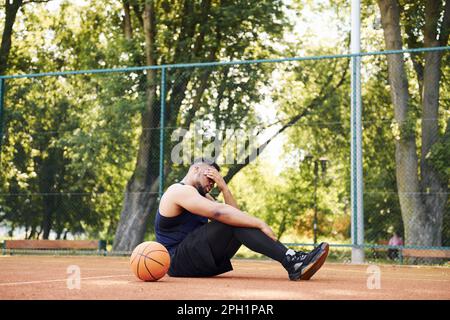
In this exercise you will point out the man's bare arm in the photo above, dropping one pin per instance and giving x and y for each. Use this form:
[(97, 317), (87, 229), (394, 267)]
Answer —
[(189, 198), (228, 197)]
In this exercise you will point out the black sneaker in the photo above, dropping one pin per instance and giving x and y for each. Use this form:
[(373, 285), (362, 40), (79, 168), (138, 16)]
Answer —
[(301, 265), (321, 254)]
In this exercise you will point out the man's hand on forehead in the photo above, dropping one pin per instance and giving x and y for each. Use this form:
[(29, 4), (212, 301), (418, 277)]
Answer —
[(215, 176)]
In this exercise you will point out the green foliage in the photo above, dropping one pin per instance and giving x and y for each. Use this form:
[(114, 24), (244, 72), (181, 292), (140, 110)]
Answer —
[(72, 132), (70, 142)]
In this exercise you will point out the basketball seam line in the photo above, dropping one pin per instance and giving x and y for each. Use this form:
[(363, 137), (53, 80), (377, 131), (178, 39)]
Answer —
[(149, 252), (145, 265), (139, 261), (143, 255)]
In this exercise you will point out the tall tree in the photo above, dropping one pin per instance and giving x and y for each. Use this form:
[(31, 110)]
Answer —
[(184, 31), (422, 187)]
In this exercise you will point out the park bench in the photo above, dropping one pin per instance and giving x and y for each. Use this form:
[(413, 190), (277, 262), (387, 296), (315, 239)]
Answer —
[(426, 253), (12, 245), (377, 250), (415, 253)]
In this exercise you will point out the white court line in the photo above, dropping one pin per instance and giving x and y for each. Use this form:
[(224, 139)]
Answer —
[(60, 280), (391, 278), (381, 267)]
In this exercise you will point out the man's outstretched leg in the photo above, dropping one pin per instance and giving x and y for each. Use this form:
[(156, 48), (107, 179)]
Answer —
[(225, 240)]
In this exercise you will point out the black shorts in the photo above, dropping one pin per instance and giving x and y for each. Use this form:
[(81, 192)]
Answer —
[(193, 257)]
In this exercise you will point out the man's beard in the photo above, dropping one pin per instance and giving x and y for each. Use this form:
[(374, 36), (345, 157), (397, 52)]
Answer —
[(201, 190)]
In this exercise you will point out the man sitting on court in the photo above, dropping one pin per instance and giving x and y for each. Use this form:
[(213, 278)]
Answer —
[(199, 248)]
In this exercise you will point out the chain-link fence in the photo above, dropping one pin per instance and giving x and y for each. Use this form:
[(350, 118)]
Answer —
[(88, 153)]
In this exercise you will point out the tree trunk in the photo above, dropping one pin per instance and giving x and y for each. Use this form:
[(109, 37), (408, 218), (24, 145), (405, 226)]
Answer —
[(48, 188), (11, 10), (413, 211), (127, 26), (434, 188), (32, 233), (141, 189), (134, 218), (422, 201), (47, 221)]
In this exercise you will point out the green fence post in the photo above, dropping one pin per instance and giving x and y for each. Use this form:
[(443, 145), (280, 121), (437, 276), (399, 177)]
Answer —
[(161, 132)]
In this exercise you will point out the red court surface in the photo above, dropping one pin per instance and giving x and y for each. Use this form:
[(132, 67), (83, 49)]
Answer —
[(46, 277)]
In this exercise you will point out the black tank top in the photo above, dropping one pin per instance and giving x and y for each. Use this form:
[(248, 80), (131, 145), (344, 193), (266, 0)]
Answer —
[(171, 231)]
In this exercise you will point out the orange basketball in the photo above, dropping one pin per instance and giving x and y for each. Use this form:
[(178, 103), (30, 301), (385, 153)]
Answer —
[(150, 261)]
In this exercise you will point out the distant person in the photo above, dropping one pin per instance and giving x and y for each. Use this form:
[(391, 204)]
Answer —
[(395, 240), (199, 248)]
